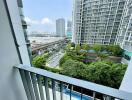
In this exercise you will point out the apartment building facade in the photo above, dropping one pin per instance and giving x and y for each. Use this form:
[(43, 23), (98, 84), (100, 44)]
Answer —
[(97, 21), (124, 37)]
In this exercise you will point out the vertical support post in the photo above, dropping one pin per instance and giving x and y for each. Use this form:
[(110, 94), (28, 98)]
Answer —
[(94, 94), (53, 89), (34, 81), (46, 88), (70, 91), (25, 84), (29, 83), (40, 87), (61, 90), (81, 93), (107, 97)]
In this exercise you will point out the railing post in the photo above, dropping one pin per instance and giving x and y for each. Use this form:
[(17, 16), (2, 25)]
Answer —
[(29, 83), (107, 97), (53, 89), (70, 91), (25, 84), (34, 81), (94, 94), (46, 88), (61, 90), (40, 85), (81, 93)]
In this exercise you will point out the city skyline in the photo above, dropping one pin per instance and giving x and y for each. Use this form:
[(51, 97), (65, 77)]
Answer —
[(46, 21)]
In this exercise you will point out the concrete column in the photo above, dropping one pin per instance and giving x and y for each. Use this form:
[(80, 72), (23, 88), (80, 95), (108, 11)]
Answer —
[(11, 86)]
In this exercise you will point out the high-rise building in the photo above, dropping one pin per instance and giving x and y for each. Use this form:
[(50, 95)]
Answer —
[(124, 38), (97, 21), (60, 27), (69, 30)]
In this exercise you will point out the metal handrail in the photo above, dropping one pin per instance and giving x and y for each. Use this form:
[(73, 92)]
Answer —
[(81, 83)]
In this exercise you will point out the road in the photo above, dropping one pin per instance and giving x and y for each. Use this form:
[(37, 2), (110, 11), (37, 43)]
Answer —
[(53, 61)]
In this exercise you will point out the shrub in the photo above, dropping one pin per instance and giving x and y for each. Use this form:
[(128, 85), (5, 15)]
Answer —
[(117, 72), (102, 72), (115, 50), (64, 59), (72, 44), (103, 55), (55, 70), (85, 47), (40, 61), (68, 46), (73, 68), (97, 48), (78, 48)]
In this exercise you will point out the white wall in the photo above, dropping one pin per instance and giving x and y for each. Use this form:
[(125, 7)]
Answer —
[(11, 87), (17, 25)]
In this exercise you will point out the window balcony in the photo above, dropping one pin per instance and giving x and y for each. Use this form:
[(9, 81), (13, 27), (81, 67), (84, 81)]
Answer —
[(43, 85)]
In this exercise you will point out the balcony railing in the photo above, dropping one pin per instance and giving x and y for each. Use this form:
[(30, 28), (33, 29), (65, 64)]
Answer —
[(44, 85)]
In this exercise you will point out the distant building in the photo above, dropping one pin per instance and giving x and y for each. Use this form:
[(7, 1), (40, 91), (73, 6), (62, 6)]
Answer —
[(60, 27), (42, 34), (69, 30)]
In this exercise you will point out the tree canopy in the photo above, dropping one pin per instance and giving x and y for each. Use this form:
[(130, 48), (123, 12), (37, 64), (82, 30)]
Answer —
[(40, 61), (101, 72), (85, 47)]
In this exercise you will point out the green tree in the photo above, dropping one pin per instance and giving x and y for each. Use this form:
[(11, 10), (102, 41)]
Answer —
[(117, 72), (64, 59), (97, 48), (40, 61), (115, 50), (78, 47), (68, 46), (73, 68), (98, 73), (101, 72), (106, 73), (85, 47), (72, 44)]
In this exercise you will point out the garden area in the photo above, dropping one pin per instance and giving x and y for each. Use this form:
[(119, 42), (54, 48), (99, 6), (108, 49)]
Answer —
[(97, 63)]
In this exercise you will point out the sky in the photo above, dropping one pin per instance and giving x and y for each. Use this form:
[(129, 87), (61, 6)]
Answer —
[(42, 14)]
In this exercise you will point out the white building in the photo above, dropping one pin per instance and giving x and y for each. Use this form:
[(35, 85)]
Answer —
[(97, 21), (60, 27), (124, 37)]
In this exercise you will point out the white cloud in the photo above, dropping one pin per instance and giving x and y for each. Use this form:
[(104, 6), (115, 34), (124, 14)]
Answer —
[(44, 24), (46, 21), (30, 21)]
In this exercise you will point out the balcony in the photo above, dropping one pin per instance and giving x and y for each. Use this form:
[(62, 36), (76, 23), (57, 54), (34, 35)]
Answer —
[(43, 85)]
